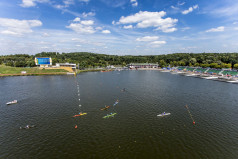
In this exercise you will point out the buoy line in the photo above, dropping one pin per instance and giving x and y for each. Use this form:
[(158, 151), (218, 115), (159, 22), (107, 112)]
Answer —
[(190, 115)]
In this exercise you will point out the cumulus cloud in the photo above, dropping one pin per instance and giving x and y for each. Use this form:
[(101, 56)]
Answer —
[(79, 28), (158, 42), (150, 19), (31, 3), (190, 9), (148, 38), (106, 32), (218, 29), (17, 27), (87, 22), (128, 27), (83, 26), (134, 3), (77, 19)]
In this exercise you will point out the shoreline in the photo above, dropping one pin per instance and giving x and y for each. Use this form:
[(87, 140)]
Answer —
[(51, 73), (183, 73), (33, 74)]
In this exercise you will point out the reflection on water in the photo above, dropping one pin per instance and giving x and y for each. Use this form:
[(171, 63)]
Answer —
[(49, 102)]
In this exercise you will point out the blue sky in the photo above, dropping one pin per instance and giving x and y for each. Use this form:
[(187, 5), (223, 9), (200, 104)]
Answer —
[(118, 27)]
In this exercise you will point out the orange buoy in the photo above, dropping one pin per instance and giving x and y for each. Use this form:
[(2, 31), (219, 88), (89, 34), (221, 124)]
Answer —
[(76, 127)]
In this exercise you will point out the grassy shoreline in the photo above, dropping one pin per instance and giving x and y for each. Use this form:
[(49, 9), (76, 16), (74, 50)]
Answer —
[(16, 71), (34, 71)]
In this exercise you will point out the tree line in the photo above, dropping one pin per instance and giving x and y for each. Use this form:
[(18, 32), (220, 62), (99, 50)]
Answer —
[(85, 59)]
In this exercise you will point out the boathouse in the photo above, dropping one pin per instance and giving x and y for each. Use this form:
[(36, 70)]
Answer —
[(71, 67)]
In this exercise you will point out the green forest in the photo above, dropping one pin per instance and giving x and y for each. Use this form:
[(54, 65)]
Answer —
[(86, 60)]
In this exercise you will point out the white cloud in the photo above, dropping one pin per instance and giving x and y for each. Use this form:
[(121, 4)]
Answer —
[(31, 3), (236, 28), (148, 38), (45, 35), (28, 3), (227, 9), (87, 22), (86, 1), (218, 29), (59, 6), (113, 22), (173, 7), (98, 28), (167, 30), (106, 32), (17, 27), (77, 19), (185, 28), (44, 47), (157, 43), (150, 19), (190, 9), (128, 27), (80, 28), (180, 4), (134, 3), (235, 22), (67, 3), (88, 14)]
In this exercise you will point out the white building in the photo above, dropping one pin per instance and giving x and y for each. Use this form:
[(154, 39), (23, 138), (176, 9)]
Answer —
[(72, 65)]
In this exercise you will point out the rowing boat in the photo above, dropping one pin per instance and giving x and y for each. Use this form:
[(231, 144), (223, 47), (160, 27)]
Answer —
[(106, 107), (110, 115), (164, 114), (79, 114)]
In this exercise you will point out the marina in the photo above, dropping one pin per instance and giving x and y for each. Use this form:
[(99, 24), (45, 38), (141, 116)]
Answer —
[(230, 76)]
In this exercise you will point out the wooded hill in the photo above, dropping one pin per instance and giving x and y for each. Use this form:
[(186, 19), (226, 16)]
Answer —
[(85, 59)]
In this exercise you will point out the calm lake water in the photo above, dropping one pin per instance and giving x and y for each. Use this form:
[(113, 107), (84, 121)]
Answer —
[(49, 102)]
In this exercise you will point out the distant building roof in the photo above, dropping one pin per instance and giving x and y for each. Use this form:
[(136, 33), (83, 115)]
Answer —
[(143, 64), (70, 64)]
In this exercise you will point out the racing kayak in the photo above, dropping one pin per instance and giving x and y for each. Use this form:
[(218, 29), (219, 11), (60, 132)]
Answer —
[(109, 115), (116, 103), (106, 107), (79, 114), (163, 114)]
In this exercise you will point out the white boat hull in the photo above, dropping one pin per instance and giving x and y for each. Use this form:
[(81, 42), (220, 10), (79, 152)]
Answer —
[(163, 114)]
